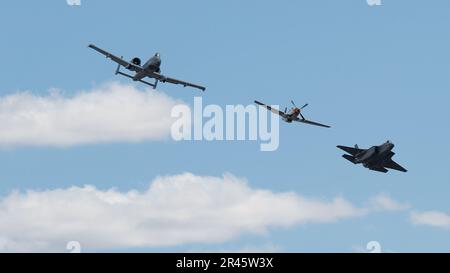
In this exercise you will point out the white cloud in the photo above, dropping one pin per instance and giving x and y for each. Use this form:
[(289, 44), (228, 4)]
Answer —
[(385, 202), (431, 218), (174, 210), (73, 2), (111, 113)]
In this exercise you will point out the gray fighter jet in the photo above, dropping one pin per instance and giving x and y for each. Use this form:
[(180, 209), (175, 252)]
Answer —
[(377, 158), (292, 115), (151, 69)]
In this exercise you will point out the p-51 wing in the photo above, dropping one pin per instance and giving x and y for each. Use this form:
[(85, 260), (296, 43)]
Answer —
[(278, 112), (164, 79), (122, 62), (311, 122)]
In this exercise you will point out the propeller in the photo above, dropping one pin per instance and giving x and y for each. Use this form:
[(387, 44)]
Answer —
[(293, 103)]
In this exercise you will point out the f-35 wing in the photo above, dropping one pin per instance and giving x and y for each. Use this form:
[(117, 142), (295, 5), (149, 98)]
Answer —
[(278, 112), (391, 164), (311, 122), (350, 150), (379, 169), (162, 78), (120, 61)]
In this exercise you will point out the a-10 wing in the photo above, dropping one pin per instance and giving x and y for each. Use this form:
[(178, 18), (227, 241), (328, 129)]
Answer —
[(278, 112), (164, 79), (121, 61)]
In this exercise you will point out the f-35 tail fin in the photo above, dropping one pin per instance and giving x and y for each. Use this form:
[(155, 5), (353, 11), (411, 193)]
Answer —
[(349, 158)]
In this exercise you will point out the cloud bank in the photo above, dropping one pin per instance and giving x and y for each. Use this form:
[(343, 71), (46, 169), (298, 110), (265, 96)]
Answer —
[(111, 113), (383, 202), (431, 218), (174, 210)]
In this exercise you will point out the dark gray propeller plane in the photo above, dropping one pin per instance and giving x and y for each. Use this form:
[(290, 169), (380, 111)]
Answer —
[(376, 158), (292, 115), (151, 69)]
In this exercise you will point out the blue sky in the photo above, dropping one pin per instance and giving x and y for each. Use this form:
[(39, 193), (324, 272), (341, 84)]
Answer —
[(373, 73)]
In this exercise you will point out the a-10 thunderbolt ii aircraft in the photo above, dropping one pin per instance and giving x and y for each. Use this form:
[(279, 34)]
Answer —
[(151, 69), (292, 115), (376, 158)]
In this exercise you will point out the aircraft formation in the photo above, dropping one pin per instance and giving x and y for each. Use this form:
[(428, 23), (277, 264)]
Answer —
[(377, 158)]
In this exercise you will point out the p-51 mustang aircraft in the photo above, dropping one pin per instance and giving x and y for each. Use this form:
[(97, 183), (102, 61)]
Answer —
[(292, 115), (151, 69)]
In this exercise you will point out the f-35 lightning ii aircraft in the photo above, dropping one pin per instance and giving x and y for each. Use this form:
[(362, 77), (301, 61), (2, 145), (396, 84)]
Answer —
[(150, 69), (377, 158), (292, 115)]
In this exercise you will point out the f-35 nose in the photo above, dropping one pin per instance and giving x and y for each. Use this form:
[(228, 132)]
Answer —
[(390, 144)]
